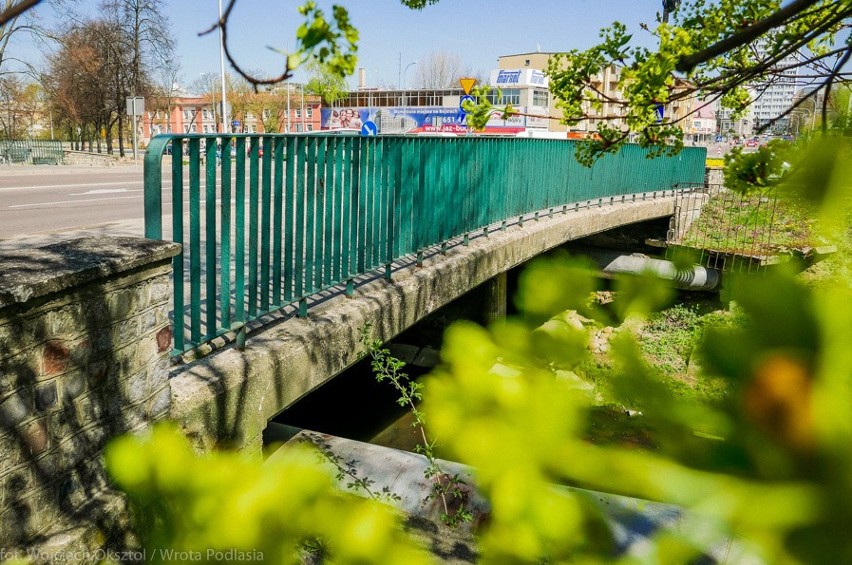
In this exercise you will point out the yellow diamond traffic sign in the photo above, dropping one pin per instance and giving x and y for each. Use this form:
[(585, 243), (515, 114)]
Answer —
[(467, 84)]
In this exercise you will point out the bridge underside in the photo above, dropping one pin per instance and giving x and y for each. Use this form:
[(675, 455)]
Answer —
[(227, 398)]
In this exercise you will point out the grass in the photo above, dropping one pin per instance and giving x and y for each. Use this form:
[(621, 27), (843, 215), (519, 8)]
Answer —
[(753, 225), (668, 341)]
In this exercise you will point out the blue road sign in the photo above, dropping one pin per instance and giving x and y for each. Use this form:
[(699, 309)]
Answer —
[(659, 109), (369, 129), (466, 98)]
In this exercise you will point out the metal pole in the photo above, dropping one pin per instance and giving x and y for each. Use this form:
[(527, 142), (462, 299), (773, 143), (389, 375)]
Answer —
[(303, 108), (222, 72), (134, 129), (405, 92), (288, 107)]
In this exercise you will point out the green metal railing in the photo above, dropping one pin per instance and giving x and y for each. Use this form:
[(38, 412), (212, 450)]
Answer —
[(267, 220), (33, 151)]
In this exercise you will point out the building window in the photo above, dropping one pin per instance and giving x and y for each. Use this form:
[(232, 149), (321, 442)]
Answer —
[(508, 96), (187, 115), (298, 113), (309, 113), (186, 128), (539, 98), (310, 126), (193, 129)]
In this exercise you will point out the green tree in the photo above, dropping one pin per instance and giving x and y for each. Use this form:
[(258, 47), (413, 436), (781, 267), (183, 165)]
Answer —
[(712, 47), (706, 50), (330, 87), (22, 107)]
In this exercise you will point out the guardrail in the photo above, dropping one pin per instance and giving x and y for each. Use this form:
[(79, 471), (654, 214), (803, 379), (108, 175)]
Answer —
[(273, 219), (32, 151)]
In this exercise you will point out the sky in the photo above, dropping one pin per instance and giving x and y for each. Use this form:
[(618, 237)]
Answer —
[(391, 35)]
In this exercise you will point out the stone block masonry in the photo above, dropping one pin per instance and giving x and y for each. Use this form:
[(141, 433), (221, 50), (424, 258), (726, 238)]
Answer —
[(84, 357)]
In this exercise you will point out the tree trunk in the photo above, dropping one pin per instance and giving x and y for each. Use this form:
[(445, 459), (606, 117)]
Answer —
[(120, 135)]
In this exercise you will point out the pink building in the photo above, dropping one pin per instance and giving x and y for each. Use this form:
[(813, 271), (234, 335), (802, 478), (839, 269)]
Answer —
[(197, 114)]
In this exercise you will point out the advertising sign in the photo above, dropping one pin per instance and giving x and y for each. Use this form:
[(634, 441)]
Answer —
[(518, 77), (414, 120)]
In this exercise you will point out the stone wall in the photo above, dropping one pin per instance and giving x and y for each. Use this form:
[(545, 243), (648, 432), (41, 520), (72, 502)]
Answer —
[(84, 357)]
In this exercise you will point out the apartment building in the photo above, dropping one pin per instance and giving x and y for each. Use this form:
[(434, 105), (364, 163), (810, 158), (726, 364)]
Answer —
[(774, 96)]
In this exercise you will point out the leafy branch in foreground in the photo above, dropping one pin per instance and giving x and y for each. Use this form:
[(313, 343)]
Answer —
[(767, 463), (265, 511), (388, 368)]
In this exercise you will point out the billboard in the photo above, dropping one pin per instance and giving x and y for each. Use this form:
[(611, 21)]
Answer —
[(415, 120)]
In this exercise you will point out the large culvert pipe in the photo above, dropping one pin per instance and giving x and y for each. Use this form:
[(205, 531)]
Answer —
[(691, 278)]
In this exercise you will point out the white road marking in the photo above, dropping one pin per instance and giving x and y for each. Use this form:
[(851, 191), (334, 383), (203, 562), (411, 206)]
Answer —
[(105, 191), (77, 201)]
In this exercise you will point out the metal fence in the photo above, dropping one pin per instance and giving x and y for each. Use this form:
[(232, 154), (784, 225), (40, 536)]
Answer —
[(267, 220), (31, 151)]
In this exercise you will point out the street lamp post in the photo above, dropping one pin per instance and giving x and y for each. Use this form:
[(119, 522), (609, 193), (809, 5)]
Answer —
[(813, 116), (405, 92), (798, 120), (808, 114), (222, 73)]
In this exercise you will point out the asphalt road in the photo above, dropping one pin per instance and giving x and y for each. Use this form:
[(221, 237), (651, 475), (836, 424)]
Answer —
[(46, 199), (42, 202)]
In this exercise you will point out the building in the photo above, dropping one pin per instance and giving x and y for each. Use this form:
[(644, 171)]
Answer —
[(775, 96), (521, 77), (703, 126), (277, 111), (399, 111), (732, 128), (518, 81), (534, 94)]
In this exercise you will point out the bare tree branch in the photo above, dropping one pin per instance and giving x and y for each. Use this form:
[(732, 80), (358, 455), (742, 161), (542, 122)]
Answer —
[(16, 10), (744, 37)]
